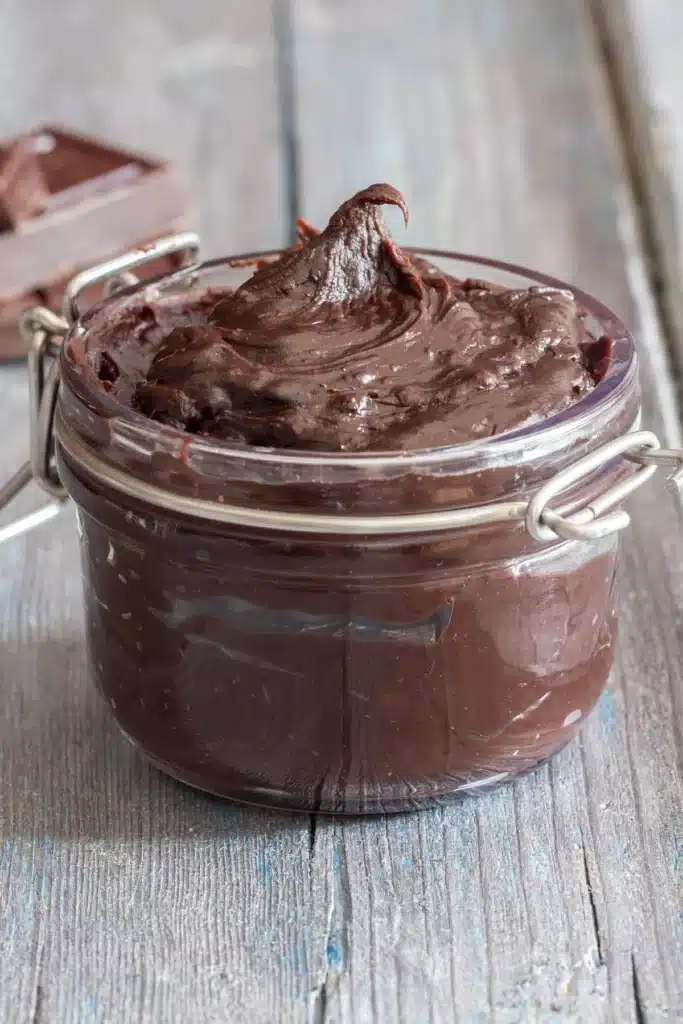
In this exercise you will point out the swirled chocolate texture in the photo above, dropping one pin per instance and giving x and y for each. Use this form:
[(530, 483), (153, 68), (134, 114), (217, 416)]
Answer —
[(347, 343), (346, 674)]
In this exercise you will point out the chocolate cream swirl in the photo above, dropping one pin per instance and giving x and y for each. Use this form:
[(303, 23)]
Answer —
[(347, 343)]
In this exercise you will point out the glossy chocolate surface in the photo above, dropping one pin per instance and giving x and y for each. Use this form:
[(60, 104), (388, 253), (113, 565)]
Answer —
[(346, 343), (349, 675)]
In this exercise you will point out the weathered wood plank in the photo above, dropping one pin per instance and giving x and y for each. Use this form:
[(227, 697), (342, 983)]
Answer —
[(641, 39), (126, 897), (123, 896), (561, 896)]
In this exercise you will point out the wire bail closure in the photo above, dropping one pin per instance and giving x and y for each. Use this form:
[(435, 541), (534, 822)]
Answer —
[(46, 330)]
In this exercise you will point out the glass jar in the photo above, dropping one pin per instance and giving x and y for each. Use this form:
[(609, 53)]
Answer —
[(340, 633)]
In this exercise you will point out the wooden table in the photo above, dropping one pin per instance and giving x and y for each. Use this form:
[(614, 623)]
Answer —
[(541, 131)]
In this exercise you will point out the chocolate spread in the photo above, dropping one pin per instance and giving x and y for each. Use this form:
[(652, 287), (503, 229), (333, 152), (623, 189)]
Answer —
[(350, 674), (346, 343)]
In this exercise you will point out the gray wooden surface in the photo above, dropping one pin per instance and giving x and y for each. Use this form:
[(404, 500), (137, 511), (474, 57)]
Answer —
[(641, 39), (126, 897)]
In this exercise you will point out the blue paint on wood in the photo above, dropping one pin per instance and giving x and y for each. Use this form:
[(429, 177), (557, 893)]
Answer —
[(91, 1009), (621, 851), (336, 944), (607, 715), (405, 863), (678, 856), (297, 959), (334, 954), (263, 868)]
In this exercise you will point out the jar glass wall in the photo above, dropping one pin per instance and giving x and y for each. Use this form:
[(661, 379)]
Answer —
[(345, 673)]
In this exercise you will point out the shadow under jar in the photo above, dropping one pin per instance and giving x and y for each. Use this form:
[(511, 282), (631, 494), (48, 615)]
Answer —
[(343, 672)]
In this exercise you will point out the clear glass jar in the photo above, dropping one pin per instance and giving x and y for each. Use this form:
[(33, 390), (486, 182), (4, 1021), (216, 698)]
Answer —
[(349, 673)]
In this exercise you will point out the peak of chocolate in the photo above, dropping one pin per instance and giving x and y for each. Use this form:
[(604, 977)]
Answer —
[(347, 343), (352, 259)]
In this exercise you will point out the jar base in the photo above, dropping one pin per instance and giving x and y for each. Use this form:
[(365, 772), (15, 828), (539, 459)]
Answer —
[(244, 791)]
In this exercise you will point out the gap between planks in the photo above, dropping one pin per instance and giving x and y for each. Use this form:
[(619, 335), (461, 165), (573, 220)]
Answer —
[(650, 187)]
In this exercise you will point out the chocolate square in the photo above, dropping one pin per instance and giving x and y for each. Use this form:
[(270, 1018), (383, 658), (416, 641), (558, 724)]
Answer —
[(67, 202), (23, 189)]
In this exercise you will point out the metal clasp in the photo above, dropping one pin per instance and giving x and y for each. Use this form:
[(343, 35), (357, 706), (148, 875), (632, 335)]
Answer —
[(591, 522), (664, 458), (45, 332)]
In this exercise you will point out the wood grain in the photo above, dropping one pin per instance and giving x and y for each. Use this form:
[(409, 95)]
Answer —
[(126, 897), (641, 39), (560, 897)]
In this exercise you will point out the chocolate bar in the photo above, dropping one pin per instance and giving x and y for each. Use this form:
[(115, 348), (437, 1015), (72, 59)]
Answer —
[(23, 189), (67, 202)]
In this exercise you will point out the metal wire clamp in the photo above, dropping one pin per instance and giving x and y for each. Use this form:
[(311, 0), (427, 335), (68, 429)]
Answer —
[(46, 330)]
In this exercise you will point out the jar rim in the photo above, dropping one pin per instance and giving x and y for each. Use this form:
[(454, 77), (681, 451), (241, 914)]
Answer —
[(577, 417)]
